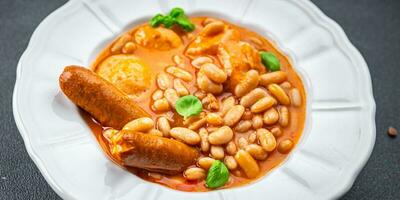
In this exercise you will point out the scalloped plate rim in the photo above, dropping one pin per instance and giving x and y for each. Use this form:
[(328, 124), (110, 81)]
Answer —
[(328, 23)]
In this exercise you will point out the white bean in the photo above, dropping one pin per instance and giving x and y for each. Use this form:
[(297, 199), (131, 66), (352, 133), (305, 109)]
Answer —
[(272, 77), (242, 143), (227, 104), (143, 124), (247, 163), (164, 126), (214, 73), (179, 73), (266, 139), (249, 82), (217, 152), (180, 88), (233, 115), (252, 137), (247, 115), (163, 81), (295, 97), (172, 96), (186, 135), (283, 116), (195, 173), (161, 105), (257, 121), (230, 162), (207, 85), (271, 116), (199, 61), (285, 146), (279, 94), (253, 96), (178, 60), (221, 136), (212, 29), (158, 94), (129, 48), (263, 104), (231, 148), (256, 151), (277, 132), (286, 85), (204, 145), (198, 124), (243, 126), (205, 162)]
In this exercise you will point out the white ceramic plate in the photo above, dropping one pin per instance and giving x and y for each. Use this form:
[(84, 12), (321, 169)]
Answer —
[(340, 129)]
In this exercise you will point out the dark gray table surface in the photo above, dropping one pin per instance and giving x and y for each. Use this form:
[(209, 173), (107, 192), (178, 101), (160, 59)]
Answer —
[(373, 26)]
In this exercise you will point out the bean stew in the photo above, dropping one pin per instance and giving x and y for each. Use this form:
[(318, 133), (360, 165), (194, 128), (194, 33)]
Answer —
[(218, 105)]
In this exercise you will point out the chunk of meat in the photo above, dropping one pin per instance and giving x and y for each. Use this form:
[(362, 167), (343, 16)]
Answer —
[(208, 45), (157, 154), (102, 100), (237, 58), (251, 56), (157, 38)]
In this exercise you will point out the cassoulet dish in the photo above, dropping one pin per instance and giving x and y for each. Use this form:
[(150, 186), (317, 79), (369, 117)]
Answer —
[(194, 104)]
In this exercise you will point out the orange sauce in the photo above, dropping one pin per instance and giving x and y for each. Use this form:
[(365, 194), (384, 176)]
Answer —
[(157, 60)]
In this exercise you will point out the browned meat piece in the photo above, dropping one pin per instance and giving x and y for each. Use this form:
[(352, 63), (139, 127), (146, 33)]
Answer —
[(157, 154), (98, 97), (112, 108)]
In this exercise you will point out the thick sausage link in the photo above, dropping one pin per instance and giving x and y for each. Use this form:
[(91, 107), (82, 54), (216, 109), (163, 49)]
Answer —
[(98, 97), (157, 154)]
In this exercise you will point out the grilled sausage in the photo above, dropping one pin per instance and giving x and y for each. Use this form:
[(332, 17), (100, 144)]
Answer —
[(106, 103), (112, 108), (157, 154)]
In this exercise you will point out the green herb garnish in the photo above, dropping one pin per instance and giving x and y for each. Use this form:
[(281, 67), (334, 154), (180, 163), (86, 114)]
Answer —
[(175, 17), (185, 23), (168, 21), (270, 61), (218, 175), (188, 106), (156, 20), (177, 12)]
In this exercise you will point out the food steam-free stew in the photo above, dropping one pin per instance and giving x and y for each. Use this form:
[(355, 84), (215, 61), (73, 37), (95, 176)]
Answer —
[(194, 104)]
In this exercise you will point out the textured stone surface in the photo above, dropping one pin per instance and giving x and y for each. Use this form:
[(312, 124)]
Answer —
[(372, 25)]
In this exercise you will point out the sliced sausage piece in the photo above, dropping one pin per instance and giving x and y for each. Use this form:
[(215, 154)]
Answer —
[(112, 108), (106, 103), (157, 154)]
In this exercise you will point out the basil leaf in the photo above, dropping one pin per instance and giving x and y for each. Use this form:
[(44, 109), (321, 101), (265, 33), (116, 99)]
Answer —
[(168, 21), (156, 20), (218, 175), (270, 61), (185, 24), (176, 17), (177, 12), (188, 106)]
